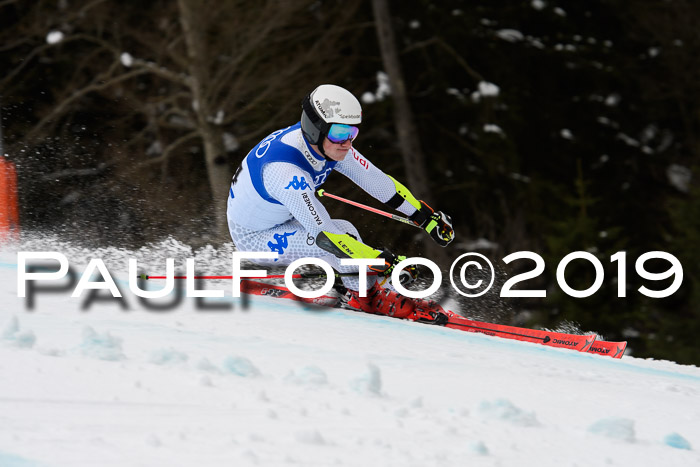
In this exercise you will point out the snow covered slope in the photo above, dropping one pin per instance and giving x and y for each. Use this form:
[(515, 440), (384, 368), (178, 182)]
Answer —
[(278, 384)]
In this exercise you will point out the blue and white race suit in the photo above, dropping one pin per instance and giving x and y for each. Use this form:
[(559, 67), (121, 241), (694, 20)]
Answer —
[(272, 205)]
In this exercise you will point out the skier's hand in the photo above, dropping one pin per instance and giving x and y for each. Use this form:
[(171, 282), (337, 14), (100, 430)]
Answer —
[(436, 223), (408, 274)]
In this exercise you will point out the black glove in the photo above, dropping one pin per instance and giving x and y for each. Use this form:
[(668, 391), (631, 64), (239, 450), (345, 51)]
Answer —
[(407, 275), (436, 223)]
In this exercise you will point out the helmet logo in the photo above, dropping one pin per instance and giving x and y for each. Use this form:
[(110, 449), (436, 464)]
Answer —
[(325, 107)]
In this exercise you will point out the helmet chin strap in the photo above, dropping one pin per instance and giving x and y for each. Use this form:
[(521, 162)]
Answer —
[(322, 151)]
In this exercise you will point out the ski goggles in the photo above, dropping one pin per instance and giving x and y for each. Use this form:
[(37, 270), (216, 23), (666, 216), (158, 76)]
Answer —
[(339, 133)]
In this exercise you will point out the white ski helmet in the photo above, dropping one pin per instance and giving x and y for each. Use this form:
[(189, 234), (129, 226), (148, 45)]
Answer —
[(328, 104)]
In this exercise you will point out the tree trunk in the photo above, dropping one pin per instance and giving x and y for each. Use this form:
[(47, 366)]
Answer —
[(409, 144), (403, 116), (211, 134)]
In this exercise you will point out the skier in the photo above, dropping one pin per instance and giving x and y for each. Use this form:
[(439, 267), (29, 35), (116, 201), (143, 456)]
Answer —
[(272, 205)]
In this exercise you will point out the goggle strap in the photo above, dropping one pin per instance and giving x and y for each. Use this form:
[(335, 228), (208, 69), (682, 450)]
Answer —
[(309, 109)]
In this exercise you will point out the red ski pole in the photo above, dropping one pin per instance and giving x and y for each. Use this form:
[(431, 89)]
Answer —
[(405, 220)]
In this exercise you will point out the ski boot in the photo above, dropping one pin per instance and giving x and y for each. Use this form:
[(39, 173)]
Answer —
[(386, 302), (430, 312)]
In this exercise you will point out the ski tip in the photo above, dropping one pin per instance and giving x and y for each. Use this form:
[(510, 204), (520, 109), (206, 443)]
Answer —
[(609, 349), (620, 350)]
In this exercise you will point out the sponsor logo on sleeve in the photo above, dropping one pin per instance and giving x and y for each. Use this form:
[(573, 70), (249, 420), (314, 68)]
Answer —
[(312, 209), (363, 162), (297, 184)]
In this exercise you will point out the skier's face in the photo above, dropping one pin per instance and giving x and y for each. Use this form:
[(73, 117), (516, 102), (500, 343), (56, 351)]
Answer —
[(336, 151)]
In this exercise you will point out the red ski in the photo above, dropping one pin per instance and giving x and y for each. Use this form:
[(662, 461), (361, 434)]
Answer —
[(278, 291), (582, 343), (609, 349)]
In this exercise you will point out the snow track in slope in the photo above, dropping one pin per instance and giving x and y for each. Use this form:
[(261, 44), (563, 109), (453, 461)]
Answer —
[(279, 384)]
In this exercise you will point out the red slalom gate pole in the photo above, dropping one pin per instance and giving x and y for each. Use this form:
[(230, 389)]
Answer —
[(9, 211), (405, 220)]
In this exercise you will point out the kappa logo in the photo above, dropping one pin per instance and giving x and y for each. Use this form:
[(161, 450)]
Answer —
[(298, 184), (282, 242)]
